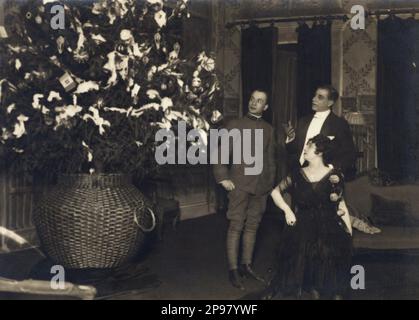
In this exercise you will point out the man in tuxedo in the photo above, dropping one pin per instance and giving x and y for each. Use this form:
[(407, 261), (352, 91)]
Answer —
[(247, 193), (324, 121)]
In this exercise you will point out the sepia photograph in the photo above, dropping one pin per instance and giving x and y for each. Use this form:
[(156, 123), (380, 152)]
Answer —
[(209, 156)]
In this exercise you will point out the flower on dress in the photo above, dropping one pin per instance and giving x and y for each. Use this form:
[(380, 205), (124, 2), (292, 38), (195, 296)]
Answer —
[(334, 178), (334, 197), (341, 213)]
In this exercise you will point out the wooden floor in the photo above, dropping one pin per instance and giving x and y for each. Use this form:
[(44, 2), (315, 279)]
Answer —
[(191, 264)]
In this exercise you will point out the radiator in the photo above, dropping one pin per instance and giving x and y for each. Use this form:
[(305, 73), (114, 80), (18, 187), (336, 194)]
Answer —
[(16, 203)]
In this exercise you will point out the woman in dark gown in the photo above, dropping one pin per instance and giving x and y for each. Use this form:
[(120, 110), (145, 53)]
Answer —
[(316, 245)]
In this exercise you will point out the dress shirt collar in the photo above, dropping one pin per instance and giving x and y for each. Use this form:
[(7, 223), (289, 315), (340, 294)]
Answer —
[(322, 115), (253, 116)]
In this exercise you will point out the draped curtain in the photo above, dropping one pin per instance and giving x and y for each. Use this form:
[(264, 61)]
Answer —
[(284, 100), (258, 62), (284, 96), (314, 63), (397, 97)]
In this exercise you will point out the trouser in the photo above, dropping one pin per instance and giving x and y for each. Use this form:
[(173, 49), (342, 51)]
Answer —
[(245, 211)]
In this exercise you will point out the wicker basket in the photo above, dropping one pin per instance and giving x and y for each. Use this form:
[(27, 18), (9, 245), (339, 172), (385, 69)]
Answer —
[(92, 221)]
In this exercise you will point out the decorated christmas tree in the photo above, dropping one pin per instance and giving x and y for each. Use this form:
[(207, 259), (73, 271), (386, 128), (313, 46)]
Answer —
[(88, 95)]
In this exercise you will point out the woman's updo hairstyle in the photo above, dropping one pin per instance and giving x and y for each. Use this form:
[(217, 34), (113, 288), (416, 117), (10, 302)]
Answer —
[(325, 146)]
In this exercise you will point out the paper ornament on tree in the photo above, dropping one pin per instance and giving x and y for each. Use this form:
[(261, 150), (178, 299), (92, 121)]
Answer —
[(67, 82)]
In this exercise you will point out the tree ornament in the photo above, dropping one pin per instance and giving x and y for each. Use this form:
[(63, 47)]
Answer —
[(67, 82)]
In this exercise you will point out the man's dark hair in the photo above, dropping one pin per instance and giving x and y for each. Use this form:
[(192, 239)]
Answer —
[(333, 93)]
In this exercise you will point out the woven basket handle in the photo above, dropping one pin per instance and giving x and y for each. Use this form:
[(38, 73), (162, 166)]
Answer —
[(153, 220)]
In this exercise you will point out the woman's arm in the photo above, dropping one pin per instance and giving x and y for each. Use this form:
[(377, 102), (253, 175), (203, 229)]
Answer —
[(279, 200), (345, 217), (280, 203)]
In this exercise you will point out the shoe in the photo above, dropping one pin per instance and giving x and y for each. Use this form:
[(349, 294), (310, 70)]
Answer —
[(270, 292), (235, 280), (247, 272)]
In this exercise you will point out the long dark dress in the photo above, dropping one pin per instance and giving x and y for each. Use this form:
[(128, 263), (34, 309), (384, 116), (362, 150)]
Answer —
[(316, 252)]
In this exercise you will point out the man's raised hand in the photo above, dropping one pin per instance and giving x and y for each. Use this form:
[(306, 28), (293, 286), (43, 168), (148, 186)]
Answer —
[(289, 131)]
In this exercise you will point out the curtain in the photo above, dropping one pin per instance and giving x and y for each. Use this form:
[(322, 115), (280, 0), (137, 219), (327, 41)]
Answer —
[(397, 97), (258, 62), (284, 86), (314, 63), (284, 99)]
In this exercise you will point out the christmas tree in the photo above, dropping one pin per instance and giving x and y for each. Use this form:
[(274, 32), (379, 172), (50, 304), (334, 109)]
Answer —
[(85, 85)]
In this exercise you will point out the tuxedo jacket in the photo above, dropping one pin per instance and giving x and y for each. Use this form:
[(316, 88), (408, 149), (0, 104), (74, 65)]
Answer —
[(344, 154), (254, 184)]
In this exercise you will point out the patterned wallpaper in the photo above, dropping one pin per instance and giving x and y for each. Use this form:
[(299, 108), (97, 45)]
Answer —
[(359, 51), (359, 69), (226, 45)]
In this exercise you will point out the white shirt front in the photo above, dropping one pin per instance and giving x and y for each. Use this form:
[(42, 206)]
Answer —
[(314, 128)]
